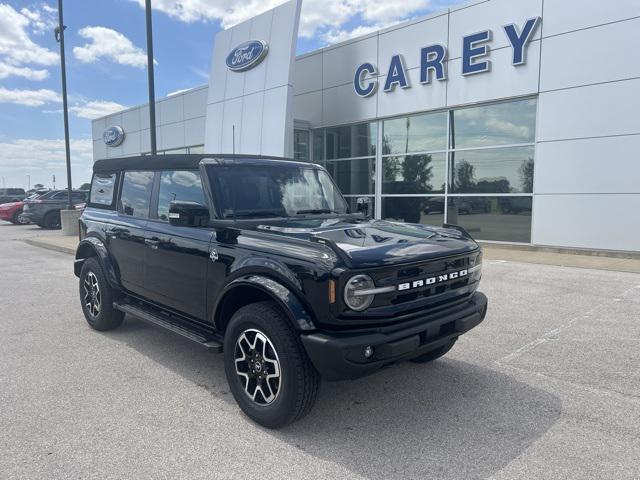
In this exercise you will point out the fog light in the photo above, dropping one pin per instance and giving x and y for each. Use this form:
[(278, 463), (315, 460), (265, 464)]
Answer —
[(368, 352)]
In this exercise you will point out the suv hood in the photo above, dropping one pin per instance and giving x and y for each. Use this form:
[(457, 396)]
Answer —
[(377, 242)]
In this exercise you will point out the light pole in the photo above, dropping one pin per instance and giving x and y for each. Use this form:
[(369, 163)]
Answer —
[(28, 182), (59, 33), (152, 94)]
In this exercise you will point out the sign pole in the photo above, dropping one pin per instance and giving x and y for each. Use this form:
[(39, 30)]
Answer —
[(59, 34), (152, 95)]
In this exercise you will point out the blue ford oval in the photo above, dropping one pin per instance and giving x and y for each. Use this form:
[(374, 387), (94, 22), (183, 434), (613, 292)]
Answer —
[(113, 136), (247, 55)]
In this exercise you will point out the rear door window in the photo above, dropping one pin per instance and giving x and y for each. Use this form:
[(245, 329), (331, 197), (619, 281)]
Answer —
[(103, 187), (136, 194), (180, 185)]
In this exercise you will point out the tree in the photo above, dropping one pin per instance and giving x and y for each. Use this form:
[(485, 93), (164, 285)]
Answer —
[(465, 181), (85, 186), (526, 175)]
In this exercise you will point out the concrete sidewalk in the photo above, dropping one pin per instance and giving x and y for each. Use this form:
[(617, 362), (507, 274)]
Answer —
[(617, 262)]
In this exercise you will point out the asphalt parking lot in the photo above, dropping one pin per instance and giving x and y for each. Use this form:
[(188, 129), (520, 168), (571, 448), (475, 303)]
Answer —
[(547, 387)]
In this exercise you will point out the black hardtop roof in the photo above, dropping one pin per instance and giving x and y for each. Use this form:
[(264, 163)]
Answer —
[(179, 161)]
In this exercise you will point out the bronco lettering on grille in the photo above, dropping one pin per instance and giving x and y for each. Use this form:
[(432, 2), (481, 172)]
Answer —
[(433, 280)]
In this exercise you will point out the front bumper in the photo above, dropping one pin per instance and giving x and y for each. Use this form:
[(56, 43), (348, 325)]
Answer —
[(340, 356)]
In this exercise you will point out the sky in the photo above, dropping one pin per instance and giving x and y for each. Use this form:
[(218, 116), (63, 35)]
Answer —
[(105, 45)]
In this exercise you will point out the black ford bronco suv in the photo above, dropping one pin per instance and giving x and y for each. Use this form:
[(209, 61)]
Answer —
[(260, 258)]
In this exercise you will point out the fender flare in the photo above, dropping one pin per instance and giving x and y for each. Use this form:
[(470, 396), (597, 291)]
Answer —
[(293, 307), (99, 248)]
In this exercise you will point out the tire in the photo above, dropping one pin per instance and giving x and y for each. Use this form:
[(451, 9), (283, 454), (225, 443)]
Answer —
[(16, 219), (51, 220), (101, 315), (293, 392), (435, 354)]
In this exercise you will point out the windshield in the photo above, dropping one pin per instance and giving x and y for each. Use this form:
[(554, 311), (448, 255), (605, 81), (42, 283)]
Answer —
[(277, 190)]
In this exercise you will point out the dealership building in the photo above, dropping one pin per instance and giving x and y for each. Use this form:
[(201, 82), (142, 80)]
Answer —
[(516, 119)]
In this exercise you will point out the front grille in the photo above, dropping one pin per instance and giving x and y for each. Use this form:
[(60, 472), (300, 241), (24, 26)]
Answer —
[(409, 274)]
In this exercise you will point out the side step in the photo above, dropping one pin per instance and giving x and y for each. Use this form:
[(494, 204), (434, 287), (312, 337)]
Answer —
[(214, 345)]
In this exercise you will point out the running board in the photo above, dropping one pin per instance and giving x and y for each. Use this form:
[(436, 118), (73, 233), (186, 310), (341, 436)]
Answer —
[(212, 344)]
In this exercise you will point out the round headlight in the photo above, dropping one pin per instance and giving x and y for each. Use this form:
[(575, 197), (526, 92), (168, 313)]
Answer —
[(355, 295)]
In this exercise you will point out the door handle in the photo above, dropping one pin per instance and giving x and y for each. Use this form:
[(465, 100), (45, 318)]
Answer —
[(153, 243)]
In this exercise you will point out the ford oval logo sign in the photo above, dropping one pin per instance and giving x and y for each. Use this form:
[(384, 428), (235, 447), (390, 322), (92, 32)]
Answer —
[(113, 136), (247, 55)]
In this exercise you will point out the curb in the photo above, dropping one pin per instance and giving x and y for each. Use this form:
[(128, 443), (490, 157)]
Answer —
[(49, 246)]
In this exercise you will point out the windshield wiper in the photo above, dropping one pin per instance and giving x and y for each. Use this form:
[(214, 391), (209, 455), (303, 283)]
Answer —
[(253, 213), (316, 211)]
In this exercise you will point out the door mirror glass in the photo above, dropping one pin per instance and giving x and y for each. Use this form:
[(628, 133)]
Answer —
[(188, 214)]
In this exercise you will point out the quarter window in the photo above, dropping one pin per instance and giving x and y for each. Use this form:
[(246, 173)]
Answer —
[(136, 194), (102, 188), (180, 185)]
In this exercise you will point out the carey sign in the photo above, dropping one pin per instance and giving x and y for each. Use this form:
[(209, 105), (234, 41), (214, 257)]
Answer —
[(113, 136), (247, 55), (433, 58)]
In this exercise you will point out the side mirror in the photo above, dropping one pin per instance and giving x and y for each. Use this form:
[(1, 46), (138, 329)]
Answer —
[(364, 205), (188, 214)]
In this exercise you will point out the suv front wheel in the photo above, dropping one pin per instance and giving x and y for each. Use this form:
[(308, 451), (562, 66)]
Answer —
[(96, 297), (268, 371)]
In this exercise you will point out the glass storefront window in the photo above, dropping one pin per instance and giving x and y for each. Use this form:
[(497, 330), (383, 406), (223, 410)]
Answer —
[(425, 210), (354, 177), (509, 123), (318, 145), (351, 141), (414, 174), (418, 133), (505, 219), (353, 204), (301, 145), (495, 170)]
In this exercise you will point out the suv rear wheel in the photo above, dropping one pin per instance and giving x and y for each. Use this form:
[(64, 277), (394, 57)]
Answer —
[(96, 297), (435, 354), (51, 220), (268, 371)]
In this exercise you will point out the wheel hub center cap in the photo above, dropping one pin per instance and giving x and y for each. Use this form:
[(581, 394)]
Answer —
[(258, 366)]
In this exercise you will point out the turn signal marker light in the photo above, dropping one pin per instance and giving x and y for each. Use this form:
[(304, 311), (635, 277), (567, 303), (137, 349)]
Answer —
[(332, 291)]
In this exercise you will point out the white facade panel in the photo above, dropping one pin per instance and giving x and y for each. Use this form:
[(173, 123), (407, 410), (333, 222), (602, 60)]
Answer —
[(218, 82), (415, 99), (99, 149), (213, 127), (232, 123), (342, 105), (273, 142), (587, 221), (308, 107), (194, 131), (307, 74), (493, 15), (340, 63), (597, 55), (195, 103), (593, 111), (170, 110), (282, 41), (251, 122), (131, 120), (114, 120), (409, 40), (131, 144), (97, 128), (562, 16), (171, 136), (503, 81), (593, 165), (255, 79)]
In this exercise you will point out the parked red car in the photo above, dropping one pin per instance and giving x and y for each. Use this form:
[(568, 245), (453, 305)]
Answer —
[(12, 212)]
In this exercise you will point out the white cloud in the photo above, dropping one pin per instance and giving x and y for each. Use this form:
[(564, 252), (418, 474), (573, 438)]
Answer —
[(16, 46), (317, 15), (41, 159), (96, 108), (30, 98), (7, 70), (337, 36), (111, 45), (43, 20)]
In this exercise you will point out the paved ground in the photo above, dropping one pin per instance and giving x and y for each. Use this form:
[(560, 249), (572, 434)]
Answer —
[(547, 387)]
